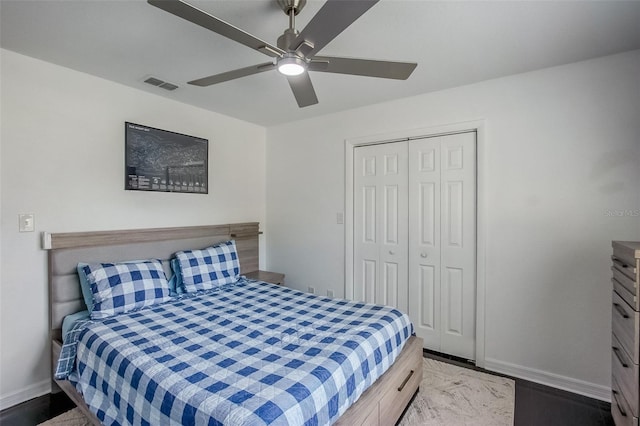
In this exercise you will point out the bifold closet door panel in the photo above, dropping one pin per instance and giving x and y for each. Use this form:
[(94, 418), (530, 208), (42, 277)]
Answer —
[(458, 244), (381, 224), (442, 242), (424, 240)]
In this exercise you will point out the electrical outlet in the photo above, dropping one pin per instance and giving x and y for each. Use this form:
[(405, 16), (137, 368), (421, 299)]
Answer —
[(340, 218), (329, 293), (312, 290)]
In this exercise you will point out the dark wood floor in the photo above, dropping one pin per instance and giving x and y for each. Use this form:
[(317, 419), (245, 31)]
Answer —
[(36, 411), (540, 405), (536, 405)]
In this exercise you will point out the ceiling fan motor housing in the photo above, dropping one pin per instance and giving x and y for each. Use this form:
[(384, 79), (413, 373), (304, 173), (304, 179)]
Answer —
[(287, 5), (285, 40)]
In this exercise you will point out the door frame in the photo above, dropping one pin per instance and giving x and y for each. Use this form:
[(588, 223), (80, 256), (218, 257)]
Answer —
[(481, 213)]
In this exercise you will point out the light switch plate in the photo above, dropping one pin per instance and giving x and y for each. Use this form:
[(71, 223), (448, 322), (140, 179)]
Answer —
[(26, 222)]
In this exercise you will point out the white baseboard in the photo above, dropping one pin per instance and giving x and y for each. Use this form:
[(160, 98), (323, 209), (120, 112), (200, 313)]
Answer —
[(32, 391), (581, 387)]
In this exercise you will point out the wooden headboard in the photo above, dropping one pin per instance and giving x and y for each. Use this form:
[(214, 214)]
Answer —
[(67, 249)]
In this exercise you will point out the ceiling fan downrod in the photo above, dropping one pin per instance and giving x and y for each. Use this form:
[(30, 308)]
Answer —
[(291, 8), (292, 19)]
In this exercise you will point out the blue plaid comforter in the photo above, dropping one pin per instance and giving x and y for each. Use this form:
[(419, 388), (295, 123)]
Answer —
[(249, 353)]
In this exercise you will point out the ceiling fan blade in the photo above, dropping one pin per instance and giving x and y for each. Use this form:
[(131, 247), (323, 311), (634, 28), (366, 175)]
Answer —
[(332, 18), (210, 22), (303, 90), (365, 67), (231, 75)]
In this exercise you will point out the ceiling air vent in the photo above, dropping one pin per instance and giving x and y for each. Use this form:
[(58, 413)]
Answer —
[(159, 83)]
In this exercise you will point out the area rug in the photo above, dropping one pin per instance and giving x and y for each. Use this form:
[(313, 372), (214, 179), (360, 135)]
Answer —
[(449, 396), (70, 418), (456, 396)]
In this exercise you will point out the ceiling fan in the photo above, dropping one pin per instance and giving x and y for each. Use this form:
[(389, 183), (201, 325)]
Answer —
[(295, 52)]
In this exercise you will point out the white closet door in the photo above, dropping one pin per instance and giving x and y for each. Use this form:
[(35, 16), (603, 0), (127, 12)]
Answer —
[(424, 239), (442, 246), (458, 244), (381, 224)]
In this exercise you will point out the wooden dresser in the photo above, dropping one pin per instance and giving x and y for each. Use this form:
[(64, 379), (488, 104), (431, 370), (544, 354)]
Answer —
[(625, 339)]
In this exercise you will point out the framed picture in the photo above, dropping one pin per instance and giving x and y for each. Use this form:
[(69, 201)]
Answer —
[(160, 160)]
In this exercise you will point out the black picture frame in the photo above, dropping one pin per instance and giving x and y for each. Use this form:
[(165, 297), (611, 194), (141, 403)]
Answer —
[(164, 161)]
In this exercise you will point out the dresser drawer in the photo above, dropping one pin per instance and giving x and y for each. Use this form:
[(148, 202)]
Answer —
[(625, 323), (627, 269), (629, 295), (620, 410), (625, 373), (627, 254)]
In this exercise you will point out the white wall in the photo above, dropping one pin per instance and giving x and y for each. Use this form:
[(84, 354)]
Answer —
[(562, 149), (62, 153)]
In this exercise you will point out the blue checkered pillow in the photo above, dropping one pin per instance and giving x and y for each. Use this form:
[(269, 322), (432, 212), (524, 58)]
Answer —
[(209, 268), (122, 287)]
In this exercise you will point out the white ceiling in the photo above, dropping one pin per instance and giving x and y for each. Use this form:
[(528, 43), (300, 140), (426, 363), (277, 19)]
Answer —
[(454, 43)]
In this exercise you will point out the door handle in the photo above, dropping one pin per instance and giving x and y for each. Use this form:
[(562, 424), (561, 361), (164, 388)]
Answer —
[(404, 382), (622, 411), (616, 352), (392, 252), (423, 255)]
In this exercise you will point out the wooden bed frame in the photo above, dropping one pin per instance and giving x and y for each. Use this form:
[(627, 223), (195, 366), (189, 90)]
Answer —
[(382, 404)]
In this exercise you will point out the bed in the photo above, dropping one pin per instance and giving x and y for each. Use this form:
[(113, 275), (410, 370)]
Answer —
[(389, 386)]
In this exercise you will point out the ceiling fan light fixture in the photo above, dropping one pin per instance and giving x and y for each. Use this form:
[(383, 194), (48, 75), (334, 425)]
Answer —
[(291, 66)]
